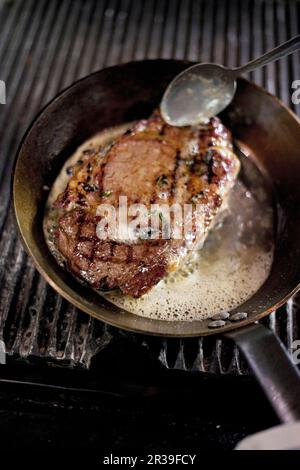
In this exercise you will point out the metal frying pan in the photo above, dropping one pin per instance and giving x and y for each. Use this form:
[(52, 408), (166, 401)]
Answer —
[(260, 122)]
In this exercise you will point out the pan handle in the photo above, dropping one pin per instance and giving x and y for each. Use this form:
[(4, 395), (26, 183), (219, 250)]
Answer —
[(270, 363)]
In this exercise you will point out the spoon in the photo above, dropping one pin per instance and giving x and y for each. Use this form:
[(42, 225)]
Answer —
[(204, 90)]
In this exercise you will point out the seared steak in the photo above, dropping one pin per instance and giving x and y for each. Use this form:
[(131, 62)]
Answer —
[(151, 163)]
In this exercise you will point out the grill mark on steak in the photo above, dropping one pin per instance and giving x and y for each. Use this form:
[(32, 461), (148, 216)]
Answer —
[(132, 166)]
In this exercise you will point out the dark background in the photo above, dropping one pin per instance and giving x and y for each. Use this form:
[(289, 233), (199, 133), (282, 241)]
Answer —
[(71, 381)]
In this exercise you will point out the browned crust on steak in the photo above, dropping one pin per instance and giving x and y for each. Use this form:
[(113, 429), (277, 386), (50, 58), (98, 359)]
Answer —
[(152, 163)]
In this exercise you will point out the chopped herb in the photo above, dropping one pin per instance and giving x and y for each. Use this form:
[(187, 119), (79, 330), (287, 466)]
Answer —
[(106, 193), (162, 180), (79, 162), (90, 187), (160, 215), (207, 157), (201, 169)]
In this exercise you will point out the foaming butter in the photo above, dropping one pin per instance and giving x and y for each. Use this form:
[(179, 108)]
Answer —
[(233, 264)]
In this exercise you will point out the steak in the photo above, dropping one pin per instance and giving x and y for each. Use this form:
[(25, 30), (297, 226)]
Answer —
[(152, 163)]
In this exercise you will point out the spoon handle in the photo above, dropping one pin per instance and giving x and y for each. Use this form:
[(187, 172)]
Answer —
[(280, 51)]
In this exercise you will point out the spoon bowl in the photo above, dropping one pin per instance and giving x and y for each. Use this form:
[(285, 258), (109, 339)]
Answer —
[(197, 94), (204, 90)]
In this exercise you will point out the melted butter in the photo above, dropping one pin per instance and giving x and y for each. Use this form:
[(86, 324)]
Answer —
[(233, 264)]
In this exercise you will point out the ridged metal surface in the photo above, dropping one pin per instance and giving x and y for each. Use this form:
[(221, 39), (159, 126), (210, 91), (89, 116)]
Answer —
[(45, 46)]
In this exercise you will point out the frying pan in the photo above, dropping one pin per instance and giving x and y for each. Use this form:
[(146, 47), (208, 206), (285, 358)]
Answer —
[(260, 123)]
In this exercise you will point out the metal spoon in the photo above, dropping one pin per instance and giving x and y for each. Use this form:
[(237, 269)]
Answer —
[(204, 90)]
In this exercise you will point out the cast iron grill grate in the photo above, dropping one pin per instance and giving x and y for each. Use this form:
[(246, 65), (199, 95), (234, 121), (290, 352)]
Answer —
[(44, 47)]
